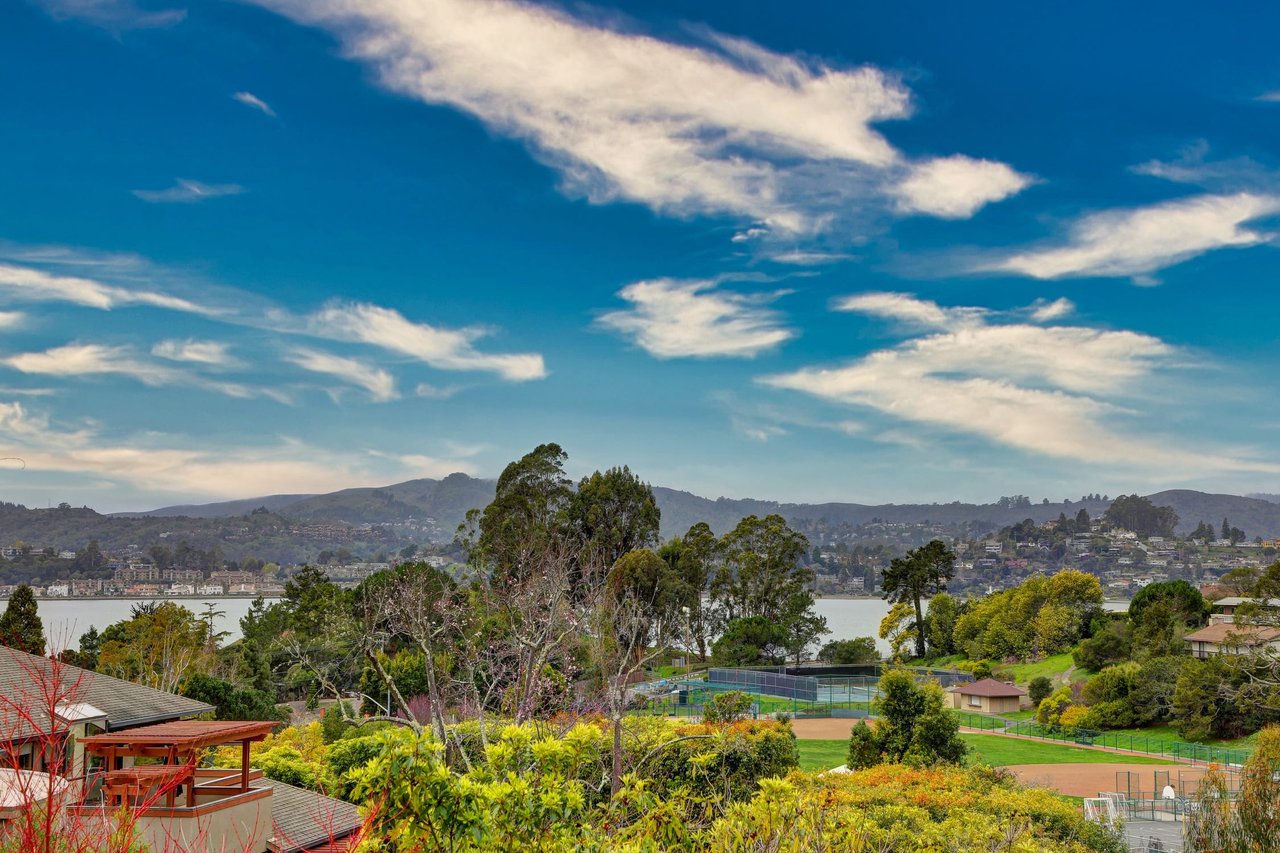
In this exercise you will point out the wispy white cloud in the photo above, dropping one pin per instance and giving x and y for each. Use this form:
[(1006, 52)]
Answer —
[(380, 384), (1057, 391), (253, 101), (442, 348), (83, 360), (802, 257), (26, 392), (161, 463), (215, 353), (906, 308), (186, 191), (1139, 241), (114, 15), (1220, 176), (763, 421), (1046, 312), (445, 349), (37, 285), (90, 360), (434, 392), (957, 187), (670, 318), (11, 319), (1270, 97), (721, 126)]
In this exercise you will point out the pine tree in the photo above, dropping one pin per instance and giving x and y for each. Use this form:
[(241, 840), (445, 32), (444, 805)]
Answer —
[(20, 626)]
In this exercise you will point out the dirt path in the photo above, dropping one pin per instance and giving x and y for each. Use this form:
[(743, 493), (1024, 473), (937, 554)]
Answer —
[(1088, 780), (834, 728)]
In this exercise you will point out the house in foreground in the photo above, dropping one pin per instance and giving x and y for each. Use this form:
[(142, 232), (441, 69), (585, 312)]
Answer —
[(91, 746), (987, 696)]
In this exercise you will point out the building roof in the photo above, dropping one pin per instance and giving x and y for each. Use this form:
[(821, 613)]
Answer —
[(1236, 601), (23, 677), (988, 687), (303, 820), (186, 735), (1243, 635)]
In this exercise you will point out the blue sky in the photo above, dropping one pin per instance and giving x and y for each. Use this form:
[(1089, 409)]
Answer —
[(864, 252)]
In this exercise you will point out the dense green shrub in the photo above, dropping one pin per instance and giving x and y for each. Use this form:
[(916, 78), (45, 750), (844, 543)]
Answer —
[(728, 759), (286, 764), (1049, 712), (1040, 687), (857, 650), (726, 707), (752, 641), (912, 726), (1108, 646), (533, 796), (333, 725), (231, 702), (1132, 694), (346, 755)]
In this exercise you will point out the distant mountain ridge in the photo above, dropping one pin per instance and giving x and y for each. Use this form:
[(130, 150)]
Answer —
[(447, 501)]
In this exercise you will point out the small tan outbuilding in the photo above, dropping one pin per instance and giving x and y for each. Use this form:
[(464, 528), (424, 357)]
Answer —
[(987, 696)]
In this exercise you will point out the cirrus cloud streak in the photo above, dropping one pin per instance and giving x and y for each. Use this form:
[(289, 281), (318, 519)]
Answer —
[(721, 126), (1058, 391), (670, 318)]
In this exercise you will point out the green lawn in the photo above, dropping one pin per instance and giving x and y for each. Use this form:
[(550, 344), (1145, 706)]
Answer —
[(822, 754), (1050, 667), (994, 750), (1000, 751)]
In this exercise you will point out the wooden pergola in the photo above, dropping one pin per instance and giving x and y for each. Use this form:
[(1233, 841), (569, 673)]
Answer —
[(178, 745)]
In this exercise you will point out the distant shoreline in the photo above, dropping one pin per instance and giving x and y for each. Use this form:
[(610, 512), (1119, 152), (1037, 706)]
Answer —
[(249, 595), (844, 596)]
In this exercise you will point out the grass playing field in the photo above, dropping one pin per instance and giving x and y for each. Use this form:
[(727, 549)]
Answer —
[(994, 750)]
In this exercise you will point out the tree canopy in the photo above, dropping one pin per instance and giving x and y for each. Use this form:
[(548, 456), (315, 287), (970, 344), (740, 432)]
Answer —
[(1139, 514), (920, 573), (20, 625)]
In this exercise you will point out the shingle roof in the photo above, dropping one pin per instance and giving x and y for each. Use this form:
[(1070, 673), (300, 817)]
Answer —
[(1236, 601), (124, 703), (304, 820), (1248, 635), (988, 687)]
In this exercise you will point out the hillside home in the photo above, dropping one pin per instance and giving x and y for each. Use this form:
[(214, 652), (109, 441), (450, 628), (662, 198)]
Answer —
[(1227, 638), (1224, 609), (987, 696), (86, 752)]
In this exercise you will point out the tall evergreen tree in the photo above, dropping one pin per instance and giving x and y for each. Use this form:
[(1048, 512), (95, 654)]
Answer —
[(920, 573), (20, 626)]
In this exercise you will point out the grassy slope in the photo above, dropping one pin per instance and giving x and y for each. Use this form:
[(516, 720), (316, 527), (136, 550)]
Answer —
[(1051, 667), (988, 749), (1005, 751), (1167, 732)]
